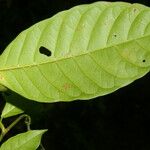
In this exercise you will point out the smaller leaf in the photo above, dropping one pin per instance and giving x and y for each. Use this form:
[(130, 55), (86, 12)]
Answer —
[(29, 140), (10, 110), (2, 88)]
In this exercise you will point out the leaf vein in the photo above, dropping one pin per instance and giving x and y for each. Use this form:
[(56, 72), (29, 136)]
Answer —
[(87, 75), (68, 57), (133, 23), (35, 85), (68, 77), (51, 82), (90, 37), (114, 23)]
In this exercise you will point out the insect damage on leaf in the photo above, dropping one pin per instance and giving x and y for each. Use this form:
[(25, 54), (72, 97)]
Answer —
[(144, 60), (45, 51)]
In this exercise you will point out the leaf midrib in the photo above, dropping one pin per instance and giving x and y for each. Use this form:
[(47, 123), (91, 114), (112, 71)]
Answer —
[(69, 57)]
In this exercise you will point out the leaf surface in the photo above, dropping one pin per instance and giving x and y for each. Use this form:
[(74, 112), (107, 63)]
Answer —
[(25, 141), (10, 110), (81, 53)]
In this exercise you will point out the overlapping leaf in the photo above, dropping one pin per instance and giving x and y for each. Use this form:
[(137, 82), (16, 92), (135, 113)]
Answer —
[(87, 51)]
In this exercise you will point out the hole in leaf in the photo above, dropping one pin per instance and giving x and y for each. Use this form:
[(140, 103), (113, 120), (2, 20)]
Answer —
[(143, 60), (45, 51)]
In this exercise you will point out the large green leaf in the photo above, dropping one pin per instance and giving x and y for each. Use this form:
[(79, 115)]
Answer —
[(25, 141), (95, 49)]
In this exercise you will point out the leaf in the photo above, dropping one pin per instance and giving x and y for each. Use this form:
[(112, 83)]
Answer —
[(85, 52), (32, 108), (25, 141), (10, 110), (2, 88)]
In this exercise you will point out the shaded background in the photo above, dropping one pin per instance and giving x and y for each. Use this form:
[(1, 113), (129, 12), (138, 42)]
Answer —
[(119, 121)]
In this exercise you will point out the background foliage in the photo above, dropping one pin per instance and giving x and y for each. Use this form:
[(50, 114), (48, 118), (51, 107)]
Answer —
[(116, 121)]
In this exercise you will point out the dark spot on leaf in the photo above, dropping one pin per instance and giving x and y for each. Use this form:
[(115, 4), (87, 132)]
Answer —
[(135, 9), (45, 51), (115, 35), (66, 86), (143, 60)]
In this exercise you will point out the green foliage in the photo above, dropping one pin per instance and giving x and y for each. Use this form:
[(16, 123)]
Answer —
[(10, 110), (25, 141), (95, 49), (81, 53)]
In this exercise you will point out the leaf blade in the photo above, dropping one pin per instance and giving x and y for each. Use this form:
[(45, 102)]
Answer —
[(102, 51), (29, 140), (10, 110)]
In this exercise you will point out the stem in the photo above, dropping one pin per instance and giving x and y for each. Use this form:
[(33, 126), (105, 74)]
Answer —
[(16, 121), (28, 122), (2, 126), (6, 130), (42, 147), (3, 131)]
